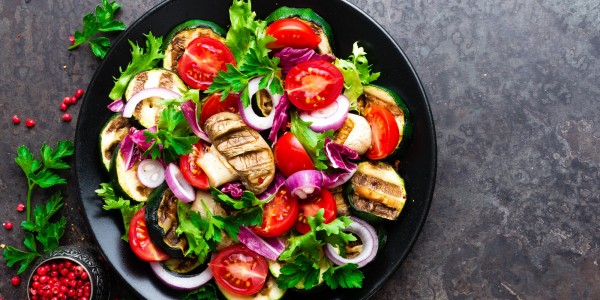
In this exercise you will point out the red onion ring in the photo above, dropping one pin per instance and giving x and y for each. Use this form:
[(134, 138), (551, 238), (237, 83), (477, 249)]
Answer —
[(151, 173), (367, 234), (270, 248), (116, 106), (331, 117), (303, 184), (145, 94), (182, 189), (181, 282), (248, 114)]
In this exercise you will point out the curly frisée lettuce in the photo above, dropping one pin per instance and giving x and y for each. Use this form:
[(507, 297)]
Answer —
[(141, 59), (357, 72)]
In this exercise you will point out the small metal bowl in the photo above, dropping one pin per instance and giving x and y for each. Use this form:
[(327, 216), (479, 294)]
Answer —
[(87, 258)]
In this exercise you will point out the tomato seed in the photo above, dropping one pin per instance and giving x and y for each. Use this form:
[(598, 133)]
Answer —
[(16, 119), (30, 123), (8, 225), (20, 207), (79, 93), (66, 117), (15, 281)]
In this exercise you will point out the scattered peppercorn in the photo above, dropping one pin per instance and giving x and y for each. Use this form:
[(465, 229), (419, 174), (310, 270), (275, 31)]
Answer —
[(20, 207), (8, 225), (15, 281), (66, 100), (16, 119), (63, 107), (30, 123), (79, 93), (72, 100), (66, 117), (72, 39)]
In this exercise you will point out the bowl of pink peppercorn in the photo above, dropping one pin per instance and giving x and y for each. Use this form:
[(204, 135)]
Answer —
[(69, 272)]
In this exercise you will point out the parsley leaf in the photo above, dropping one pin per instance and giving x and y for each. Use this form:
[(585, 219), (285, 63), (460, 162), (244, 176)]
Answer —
[(248, 199), (111, 201), (312, 142), (345, 276), (39, 172), (206, 292), (102, 21), (357, 72), (248, 41), (40, 229), (141, 59), (301, 270), (173, 136)]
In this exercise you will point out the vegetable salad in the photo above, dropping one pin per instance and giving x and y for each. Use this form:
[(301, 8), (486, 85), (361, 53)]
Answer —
[(252, 160)]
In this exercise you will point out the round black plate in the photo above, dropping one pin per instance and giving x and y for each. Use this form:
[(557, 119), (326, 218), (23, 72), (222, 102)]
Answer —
[(349, 24)]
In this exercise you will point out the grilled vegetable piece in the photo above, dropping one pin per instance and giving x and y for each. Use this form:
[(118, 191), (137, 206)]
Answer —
[(244, 148), (162, 222), (355, 134), (126, 182), (270, 291), (148, 111), (181, 265), (376, 192), (216, 167), (183, 34), (384, 97), (113, 132), (312, 19), (215, 208)]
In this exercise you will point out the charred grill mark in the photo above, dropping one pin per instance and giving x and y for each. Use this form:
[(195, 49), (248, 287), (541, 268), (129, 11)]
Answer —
[(140, 82), (344, 132), (166, 80), (375, 208)]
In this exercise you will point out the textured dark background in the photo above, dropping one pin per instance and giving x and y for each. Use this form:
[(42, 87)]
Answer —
[(513, 86)]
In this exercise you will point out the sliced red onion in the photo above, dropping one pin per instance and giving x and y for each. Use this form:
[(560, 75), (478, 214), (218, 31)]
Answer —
[(303, 184), (182, 189), (248, 114), (180, 281), (331, 117), (190, 112), (116, 106), (129, 150), (333, 179), (145, 94), (277, 183), (151, 173), (270, 248), (368, 236)]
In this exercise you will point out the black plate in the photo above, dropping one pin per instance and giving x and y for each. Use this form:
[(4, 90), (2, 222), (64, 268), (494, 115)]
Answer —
[(349, 24)]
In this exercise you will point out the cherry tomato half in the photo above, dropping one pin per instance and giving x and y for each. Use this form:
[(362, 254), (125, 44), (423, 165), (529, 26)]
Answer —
[(213, 105), (139, 240), (385, 134), (292, 33), (191, 170), (203, 58), (310, 207), (279, 215), (313, 84), (290, 156), (239, 270)]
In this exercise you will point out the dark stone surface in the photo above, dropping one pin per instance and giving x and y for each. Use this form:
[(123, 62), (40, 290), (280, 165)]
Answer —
[(513, 87)]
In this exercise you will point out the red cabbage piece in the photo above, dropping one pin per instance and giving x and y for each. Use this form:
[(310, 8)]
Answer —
[(189, 110), (138, 137), (278, 181), (234, 189), (340, 158), (290, 57), (131, 153), (281, 117)]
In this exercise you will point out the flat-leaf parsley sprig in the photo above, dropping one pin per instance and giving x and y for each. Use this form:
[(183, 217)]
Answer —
[(102, 21), (41, 172)]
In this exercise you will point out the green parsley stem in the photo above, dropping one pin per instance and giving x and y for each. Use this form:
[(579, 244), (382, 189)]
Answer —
[(31, 185)]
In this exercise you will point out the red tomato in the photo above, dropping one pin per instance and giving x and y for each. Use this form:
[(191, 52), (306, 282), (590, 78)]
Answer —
[(292, 33), (310, 207), (203, 58), (191, 170), (214, 105), (313, 84), (139, 241), (239, 270), (385, 134), (290, 156), (279, 215)]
